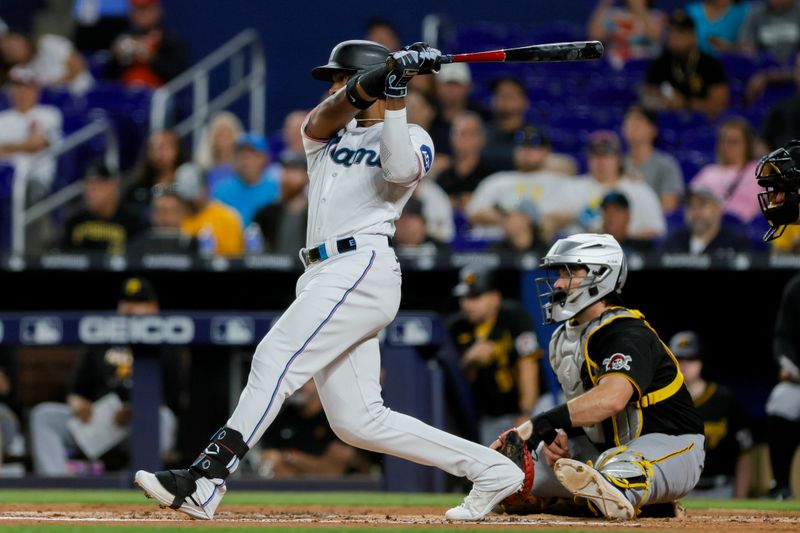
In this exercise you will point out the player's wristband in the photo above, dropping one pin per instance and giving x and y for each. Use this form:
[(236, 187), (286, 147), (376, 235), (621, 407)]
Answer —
[(546, 424), (355, 99), (373, 81)]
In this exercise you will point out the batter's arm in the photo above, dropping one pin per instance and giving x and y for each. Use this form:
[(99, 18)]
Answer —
[(332, 114), (399, 159)]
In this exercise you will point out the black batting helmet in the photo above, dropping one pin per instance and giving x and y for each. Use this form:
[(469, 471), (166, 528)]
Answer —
[(779, 174), (351, 57)]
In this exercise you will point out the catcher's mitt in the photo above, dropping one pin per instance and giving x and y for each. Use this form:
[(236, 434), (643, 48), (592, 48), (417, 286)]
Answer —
[(513, 446)]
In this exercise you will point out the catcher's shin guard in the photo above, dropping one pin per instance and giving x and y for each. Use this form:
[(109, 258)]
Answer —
[(627, 470)]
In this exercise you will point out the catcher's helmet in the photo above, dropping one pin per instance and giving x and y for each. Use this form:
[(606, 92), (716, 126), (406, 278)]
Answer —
[(778, 173), (351, 57), (601, 254)]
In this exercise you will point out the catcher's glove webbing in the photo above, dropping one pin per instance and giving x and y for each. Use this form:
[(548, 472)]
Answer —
[(513, 446)]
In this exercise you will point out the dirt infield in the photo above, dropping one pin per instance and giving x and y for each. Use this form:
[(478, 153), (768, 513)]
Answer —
[(367, 517)]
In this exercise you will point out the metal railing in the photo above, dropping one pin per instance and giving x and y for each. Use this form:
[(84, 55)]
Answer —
[(22, 215), (235, 52)]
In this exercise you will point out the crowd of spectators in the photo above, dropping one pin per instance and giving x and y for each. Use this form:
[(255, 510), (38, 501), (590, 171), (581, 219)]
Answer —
[(509, 183), (499, 182)]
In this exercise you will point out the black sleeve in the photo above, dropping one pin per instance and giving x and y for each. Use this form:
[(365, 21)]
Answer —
[(656, 73), (787, 323), (625, 351), (715, 73), (171, 58), (66, 238), (740, 425), (524, 333), (84, 376)]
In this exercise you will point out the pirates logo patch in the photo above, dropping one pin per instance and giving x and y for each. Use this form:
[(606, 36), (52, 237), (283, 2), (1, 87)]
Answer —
[(617, 362)]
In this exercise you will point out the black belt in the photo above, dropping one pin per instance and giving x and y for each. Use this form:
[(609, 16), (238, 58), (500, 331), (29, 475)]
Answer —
[(348, 244)]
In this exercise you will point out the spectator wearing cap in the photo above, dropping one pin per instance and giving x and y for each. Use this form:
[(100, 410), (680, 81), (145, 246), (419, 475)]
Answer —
[(731, 175), (163, 154), (27, 128), (616, 214), (411, 234), (453, 85), (283, 223), (252, 186), (105, 224), (532, 189), (105, 374), (718, 24), (659, 169), (164, 236), (499, 351), (607, 172), (729, 438), (204, 213), (52, 59), (683, 77), (467, 168), (703, 231), (148, 54)]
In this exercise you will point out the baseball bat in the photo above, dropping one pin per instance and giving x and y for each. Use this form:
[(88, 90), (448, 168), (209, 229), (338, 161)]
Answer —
[(545, 53)]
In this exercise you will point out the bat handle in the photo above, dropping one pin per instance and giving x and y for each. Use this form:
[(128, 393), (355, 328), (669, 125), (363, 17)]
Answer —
[(446, 58)]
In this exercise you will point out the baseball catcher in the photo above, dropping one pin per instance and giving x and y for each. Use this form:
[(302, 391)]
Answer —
[(629, 434)]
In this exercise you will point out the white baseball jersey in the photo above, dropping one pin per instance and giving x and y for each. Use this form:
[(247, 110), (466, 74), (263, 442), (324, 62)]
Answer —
[(330, 332), (348, 194)]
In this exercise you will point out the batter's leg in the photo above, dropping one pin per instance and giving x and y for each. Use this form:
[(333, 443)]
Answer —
[(351, 395), (339, 303)]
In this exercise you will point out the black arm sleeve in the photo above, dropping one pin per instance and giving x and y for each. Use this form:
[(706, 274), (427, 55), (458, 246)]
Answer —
[(171, 58), (787, 324), (84, 377)]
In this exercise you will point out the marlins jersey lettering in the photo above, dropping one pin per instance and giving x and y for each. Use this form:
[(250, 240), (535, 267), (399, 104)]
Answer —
[(348, 194)]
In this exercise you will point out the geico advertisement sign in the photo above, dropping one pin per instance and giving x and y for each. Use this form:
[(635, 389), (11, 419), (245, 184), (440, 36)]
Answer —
[(136, 329)]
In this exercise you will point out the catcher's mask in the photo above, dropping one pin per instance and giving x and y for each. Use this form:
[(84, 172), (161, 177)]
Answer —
[(600, 255), (780, 202)]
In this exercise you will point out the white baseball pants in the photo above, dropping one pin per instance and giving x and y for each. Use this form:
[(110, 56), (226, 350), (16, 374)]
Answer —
[(330, 333)]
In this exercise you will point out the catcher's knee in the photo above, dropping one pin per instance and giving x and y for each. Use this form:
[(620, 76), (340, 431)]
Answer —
[(627, 470)]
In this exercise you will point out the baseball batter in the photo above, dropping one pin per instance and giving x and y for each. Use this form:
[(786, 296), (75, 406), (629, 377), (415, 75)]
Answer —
[(364, 162), (628, 409)]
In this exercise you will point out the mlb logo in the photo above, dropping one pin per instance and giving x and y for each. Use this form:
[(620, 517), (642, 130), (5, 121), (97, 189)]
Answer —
[(41, 330), (233, 330), (411, 332)]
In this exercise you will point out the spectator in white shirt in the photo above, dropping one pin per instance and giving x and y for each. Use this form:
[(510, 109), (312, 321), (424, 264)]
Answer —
[(52, 58), (532, 185), (607, 172), (26, 129)]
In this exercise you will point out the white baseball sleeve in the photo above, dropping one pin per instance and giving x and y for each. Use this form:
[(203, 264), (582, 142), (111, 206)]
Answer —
[(401, 161)]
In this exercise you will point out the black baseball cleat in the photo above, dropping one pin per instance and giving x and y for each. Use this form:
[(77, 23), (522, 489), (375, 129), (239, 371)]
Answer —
[(182, 490)]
